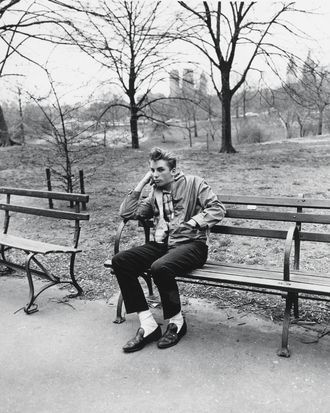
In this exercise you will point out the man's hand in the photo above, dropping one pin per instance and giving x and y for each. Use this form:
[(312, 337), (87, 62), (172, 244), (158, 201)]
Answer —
[(144, 181), (192, 223)]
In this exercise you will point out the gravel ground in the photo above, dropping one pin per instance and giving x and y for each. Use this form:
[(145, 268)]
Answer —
[(278, 169)]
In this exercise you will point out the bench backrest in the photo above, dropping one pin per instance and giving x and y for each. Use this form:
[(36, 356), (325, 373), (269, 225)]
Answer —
[(59, 213), (291, 210)]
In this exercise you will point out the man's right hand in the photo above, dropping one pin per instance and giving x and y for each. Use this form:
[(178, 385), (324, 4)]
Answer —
[(144, 181), (147, 177)]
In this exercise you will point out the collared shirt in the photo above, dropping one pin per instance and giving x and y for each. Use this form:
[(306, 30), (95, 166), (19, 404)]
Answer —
[(168, 205)]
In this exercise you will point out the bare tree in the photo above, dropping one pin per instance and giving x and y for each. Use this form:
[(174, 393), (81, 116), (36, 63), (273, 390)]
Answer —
[(315, 89), (71, 140), (129, 39), (219, 34), (4, 134), (278, 102), (308, 87), (20, 22)]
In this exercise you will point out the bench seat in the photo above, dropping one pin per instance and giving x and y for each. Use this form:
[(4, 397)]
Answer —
[(260, 277), (254, 276), (38, 247)]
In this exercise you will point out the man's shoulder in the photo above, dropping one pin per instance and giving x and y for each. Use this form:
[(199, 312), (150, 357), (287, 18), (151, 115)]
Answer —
[(194, 179)]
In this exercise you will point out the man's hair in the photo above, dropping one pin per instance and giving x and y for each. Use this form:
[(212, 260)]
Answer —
[(156, 154)]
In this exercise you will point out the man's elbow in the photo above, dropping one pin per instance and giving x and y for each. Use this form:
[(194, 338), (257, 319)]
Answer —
[(126, 214)]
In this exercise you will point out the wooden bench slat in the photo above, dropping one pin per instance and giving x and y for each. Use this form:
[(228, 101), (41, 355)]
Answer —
[(255, 281), (34, 246), (314, 236), (278, 216), (268, 233), (251, 232), (51, 213), (262, 232), (45, 194), (274, 201), (263, 268), (266, 272)]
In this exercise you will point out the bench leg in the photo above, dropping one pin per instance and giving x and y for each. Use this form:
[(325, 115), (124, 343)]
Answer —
[(8, 270), (31, 307), (119, 314), (73, 278), (119, 317), (296, 306), (284, 350), (148, 279)]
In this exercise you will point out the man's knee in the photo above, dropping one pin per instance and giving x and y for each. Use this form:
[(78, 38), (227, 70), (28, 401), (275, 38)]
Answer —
[(118, 261), (160, 273)]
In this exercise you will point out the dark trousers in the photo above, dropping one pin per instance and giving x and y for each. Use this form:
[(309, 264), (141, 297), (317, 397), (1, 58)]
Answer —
[(165, 264)]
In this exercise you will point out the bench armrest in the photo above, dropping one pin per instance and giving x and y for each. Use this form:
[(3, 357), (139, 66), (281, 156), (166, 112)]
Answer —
[(146, 226), (292, 235), (119, 231)]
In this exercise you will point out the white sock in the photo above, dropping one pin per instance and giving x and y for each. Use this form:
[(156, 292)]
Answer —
[(178, 320), (147, 321)]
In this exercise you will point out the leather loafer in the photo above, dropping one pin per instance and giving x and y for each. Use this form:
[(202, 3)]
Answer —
[(139, 341), (171, 337)]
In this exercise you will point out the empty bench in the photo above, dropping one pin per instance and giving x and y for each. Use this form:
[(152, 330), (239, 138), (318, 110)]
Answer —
[(32, 247), (293, 220)]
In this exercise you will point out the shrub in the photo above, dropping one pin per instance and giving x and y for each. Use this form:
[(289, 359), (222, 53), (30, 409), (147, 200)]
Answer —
[(250, 132)]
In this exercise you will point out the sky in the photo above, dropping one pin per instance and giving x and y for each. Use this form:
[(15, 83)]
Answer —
[(77, 75)]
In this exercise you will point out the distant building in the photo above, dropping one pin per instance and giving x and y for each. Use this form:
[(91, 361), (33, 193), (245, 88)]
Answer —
[(308, 70), (292, 72), (174, 83), (188, 84), (202, 87)]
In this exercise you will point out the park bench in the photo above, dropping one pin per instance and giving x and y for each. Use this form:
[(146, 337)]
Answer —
[(32, 249), (293, 220)]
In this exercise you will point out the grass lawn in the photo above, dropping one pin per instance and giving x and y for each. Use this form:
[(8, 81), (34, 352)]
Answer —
[(285, 168)]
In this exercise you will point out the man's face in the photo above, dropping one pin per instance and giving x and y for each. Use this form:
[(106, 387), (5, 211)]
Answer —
[(161, 172)]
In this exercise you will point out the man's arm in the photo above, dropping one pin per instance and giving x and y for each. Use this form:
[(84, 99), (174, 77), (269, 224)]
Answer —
[(134, 208), (213, 210)]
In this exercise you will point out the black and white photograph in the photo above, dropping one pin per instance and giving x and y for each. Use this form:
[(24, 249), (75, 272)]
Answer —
[(164, 206)]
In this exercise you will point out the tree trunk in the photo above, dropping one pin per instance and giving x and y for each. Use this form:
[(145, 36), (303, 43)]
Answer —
[(301, 127), (105, 137), (320, 122), (286, 127), (226, 141), (237, 110), (134, 128), (195, 126), (22, 130), (4, 134), (190, 137), (244, 104)]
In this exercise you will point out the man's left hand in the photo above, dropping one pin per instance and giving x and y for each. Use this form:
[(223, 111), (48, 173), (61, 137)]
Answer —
[(192, 223)]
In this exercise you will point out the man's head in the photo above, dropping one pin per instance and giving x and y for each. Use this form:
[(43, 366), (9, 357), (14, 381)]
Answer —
[(162, 165)]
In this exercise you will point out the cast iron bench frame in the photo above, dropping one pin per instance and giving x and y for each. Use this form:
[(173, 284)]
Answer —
[(291, 284), (34, 247)]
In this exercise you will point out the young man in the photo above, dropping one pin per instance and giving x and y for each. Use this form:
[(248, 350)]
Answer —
[(184, 208)]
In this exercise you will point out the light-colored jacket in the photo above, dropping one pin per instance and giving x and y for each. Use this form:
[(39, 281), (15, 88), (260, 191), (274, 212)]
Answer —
[(192, 198)]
